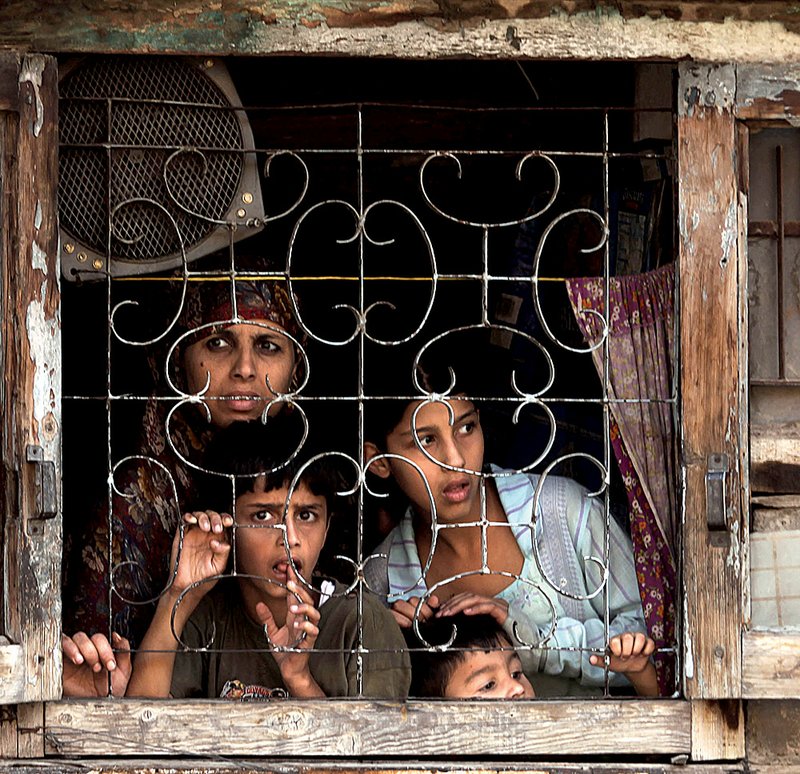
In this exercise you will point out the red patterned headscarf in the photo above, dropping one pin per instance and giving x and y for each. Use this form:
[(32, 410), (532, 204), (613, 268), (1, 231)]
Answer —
[(211, 300)]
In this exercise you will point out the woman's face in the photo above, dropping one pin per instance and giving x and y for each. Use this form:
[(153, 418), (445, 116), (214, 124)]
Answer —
[(236, 361)]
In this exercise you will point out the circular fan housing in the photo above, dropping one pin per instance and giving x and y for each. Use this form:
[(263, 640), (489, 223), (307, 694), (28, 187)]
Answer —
[(156, 161)]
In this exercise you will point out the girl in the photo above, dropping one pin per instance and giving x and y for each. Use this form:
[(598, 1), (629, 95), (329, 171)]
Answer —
[(469, 541)]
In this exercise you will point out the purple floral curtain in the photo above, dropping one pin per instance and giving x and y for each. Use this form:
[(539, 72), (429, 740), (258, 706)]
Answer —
[(641, 362)]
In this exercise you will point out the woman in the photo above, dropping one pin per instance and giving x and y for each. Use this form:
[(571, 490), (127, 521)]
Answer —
[(230, 362)]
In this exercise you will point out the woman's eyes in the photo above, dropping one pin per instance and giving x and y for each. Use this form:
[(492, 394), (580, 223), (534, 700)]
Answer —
[(467, 427), (216, 343), (268, 345), (263, 344)]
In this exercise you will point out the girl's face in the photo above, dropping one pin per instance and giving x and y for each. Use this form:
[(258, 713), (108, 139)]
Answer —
[(235, 362), (460, 445)]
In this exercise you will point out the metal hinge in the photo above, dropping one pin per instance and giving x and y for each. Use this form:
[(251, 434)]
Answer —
[(45, 483), (716, 509)]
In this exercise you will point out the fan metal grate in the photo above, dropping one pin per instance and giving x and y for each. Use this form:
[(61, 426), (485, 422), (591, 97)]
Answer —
[(121, 119)]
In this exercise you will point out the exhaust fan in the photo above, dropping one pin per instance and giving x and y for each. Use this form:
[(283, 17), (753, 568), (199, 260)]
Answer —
[(156, 154)]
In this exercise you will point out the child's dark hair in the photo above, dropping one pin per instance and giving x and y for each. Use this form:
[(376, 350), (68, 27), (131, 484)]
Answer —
[(431, 671), (251, 450)]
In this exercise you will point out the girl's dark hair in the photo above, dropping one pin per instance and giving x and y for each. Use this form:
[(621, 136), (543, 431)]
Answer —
[(383, 415), (431, 671)]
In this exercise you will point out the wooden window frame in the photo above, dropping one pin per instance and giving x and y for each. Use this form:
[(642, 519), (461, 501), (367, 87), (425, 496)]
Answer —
[(704, 725)]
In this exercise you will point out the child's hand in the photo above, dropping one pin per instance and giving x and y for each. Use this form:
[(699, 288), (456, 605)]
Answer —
[(474, 604), (630, 653), (204, 553), (302, 617), (88, 661), (404, 610)]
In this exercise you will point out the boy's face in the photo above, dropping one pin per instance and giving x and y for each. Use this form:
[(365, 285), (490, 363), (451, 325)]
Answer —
[(460, 445), (494, 674), (260, 547)]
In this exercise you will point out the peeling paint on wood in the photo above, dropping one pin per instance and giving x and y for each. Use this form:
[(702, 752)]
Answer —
[(32, 69), (579, 29), (31, 411), (44, 336), (769, 93)]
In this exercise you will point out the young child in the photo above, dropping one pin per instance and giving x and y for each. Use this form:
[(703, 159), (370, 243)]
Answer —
[(437, 461), (224, 622), (480, 663)]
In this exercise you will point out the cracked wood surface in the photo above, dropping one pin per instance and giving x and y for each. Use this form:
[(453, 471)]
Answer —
[(579, 29)]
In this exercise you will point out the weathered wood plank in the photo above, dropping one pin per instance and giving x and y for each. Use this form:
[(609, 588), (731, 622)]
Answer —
[(9, 77), (30, 730), (31, 407), (775, 519), (579, 30), (718, 730), (778, 502), (711, 349), (771, 665), (775, 458), (12, 674), (768, 92), (368, 729), (294, 766), (8, 732)]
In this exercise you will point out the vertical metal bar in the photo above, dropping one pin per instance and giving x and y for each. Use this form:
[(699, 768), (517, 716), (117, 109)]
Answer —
[(780, 257), (360, 387), (606, 382), (110, 492)]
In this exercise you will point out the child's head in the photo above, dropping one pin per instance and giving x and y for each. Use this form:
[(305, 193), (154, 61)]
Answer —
[(457, 450), (263, 526), (479, 664)]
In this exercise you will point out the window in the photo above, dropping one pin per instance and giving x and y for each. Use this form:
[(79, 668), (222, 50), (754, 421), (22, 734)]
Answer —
[(662, 726)]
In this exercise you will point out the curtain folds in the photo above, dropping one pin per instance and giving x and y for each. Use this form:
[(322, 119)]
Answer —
[(640, 348)]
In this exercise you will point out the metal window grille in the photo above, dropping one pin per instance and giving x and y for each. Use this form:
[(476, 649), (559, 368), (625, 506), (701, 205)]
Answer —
[(407, 235)]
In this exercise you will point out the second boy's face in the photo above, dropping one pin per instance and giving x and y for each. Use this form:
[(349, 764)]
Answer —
[(260, 547), (460, 445), (489, 675)]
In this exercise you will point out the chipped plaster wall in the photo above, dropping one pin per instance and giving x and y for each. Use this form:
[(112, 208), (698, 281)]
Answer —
[(574, 29)]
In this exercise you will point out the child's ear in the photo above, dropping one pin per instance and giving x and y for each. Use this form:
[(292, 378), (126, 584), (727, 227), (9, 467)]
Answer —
[(380, 467)]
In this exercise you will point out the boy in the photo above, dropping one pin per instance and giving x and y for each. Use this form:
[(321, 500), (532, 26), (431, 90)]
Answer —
[(266, 597), (480, 663), (484, 551)]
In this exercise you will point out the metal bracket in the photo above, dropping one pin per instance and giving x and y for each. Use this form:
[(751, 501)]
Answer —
[(716, 472), (45, 483)]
